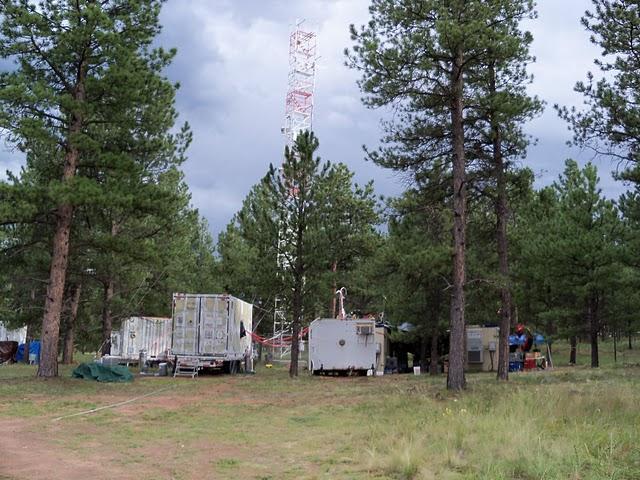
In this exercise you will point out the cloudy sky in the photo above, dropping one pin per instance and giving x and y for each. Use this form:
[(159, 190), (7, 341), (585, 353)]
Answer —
[(232, 65)]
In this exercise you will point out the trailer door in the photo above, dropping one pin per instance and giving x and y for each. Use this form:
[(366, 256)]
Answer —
[(186, 311), (213, 325)]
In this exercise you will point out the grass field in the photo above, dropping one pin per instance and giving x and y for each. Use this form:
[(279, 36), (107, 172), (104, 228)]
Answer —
[(572, 423)]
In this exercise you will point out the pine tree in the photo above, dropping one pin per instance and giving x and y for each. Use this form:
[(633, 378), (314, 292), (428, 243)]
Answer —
[(292, 228), (86, 73), (570, 245), (414, 267), (421, 57), (610, 123), (504, 107)]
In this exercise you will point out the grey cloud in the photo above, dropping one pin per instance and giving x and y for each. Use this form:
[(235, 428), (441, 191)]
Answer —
[(232, 66)]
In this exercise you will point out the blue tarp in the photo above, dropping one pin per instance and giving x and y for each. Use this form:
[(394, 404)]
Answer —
[(517, 339), (522, 339), (34, 349)]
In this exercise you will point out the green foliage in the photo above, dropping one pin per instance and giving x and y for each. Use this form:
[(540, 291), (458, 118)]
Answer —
[(412, 266), (568, 252), (406, 54), (610, 124), (294, 227), (88, 80)]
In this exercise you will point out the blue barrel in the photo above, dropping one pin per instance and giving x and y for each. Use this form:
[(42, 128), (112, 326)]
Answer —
[(515, 366)]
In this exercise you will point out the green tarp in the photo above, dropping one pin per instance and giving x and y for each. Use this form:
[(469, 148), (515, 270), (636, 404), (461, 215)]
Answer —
[(103, 373)]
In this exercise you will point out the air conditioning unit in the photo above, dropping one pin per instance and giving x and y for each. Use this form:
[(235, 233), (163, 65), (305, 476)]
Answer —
[(474, 347), (474, 356), (364, 329)]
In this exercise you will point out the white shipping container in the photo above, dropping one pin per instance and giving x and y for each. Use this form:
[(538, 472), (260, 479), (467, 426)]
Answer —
[(342, 345), (211, 326), (152, 334), (16, 335)]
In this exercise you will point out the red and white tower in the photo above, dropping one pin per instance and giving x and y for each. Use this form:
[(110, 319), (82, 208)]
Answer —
[(298, 117), (303, 54)]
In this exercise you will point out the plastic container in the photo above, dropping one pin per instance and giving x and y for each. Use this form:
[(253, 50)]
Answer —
[(416, 370)]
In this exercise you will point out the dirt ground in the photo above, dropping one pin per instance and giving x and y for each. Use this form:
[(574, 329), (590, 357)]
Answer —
[(269, 427), (205, 428), (39, 448)]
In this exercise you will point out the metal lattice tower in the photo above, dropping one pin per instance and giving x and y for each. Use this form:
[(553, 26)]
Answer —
[(298, 117), (303, 54)]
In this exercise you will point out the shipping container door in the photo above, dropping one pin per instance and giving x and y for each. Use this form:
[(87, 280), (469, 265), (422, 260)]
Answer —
[(213, 325), (130, 342), (154, 338), (165, 337), (185, 324)]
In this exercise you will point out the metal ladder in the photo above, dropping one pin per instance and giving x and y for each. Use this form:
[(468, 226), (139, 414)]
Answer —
[(186, 367)]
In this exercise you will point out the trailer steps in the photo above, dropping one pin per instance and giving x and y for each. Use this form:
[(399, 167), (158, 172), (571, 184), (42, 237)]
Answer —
[(186, 367)]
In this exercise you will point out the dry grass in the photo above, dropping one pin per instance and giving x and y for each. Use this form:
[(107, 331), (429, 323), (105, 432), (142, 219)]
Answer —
[(573, 423)]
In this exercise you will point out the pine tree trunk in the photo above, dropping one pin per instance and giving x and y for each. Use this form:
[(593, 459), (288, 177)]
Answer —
[(68, 344), (297, 292), (434, 321), (423, 352), (295, 331), (433, 365), (456, 378), (502, 213), (107, 325), (573, 349), (594, 329), (48, 366)]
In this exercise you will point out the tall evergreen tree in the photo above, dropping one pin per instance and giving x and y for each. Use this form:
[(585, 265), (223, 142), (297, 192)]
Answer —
[(570, 248), (505, 106), (85, 73), (414, 267), (423, 57), (293, 226), (610, 123)]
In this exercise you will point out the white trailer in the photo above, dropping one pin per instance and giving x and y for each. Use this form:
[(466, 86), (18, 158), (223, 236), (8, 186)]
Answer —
[(211, 331), (151, 334), (16, 335), (337, 346)]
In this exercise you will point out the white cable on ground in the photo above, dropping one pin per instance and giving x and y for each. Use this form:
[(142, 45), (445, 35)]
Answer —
[(93, 410)]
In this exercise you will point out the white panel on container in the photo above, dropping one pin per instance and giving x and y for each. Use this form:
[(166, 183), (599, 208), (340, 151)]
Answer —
[(336, 345), (216, 326), (213, 320), (16, 335), (152, 334), (185, 331)]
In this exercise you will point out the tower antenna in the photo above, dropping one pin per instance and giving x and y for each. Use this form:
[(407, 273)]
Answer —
[(298, 117)]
